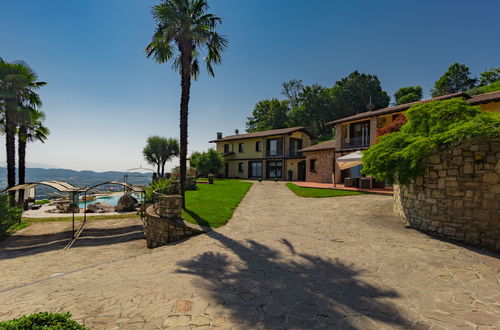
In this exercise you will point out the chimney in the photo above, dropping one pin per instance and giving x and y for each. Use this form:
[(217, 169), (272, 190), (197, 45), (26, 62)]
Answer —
[(219, 135), (370, 105), (236, 131)]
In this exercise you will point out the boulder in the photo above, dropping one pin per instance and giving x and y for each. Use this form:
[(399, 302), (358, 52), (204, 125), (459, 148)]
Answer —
[(66, 208), (99, 208), (126, 203)]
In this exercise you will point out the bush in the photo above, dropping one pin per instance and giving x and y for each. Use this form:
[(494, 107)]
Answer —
[(9, 216), (485, 89), (42, 202), (150, 189), (44, 320), (399, 156)]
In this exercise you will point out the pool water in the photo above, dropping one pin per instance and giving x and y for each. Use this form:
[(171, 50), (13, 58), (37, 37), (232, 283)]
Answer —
[(111, 200)]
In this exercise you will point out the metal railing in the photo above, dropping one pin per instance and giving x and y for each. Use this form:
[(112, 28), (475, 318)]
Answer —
[(356, 142)]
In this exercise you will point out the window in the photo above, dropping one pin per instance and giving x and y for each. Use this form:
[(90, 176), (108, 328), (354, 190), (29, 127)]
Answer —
[(274, 147), (226, 148), (275, 170), (295, 146), (255, 169), (258, 146), (240, 147), (240, 167), (312, 165)]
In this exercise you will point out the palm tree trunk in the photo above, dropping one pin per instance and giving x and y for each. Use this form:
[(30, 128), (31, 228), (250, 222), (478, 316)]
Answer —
[(21, 149), (186, 59), (10, 147)]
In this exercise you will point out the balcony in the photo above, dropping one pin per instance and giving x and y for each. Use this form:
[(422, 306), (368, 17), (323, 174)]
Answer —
[(356, 142)]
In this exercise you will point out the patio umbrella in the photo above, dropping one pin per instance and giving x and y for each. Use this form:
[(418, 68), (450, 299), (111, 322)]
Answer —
[(349, 160)]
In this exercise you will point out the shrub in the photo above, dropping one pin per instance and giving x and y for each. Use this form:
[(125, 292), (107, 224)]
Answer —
[(44, 320), (399, 156), (42, 202), (9, 216), (156, 185), (485, 89)]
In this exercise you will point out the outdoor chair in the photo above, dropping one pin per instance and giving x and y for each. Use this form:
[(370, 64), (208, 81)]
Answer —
[(365, 183), (349, 182)]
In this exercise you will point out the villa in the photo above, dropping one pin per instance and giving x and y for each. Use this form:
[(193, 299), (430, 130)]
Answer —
[(273, 154), (340, 159)]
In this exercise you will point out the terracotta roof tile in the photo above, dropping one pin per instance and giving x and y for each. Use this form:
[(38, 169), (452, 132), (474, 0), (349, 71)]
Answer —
[(484, 98), (396, 108), (280, 131), (328, 145)]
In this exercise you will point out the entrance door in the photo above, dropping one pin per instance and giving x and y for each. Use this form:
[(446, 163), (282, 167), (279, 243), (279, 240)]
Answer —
[(301, 170), (226, 170), (255, 170)]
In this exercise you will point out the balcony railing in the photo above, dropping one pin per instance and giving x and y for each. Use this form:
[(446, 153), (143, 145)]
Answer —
[(356, 142)]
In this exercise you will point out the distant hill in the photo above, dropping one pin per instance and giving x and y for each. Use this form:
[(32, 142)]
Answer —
[(31, 165), (77, 178)]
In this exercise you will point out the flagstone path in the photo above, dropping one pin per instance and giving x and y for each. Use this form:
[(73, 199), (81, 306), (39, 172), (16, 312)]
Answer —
[(282, 262)]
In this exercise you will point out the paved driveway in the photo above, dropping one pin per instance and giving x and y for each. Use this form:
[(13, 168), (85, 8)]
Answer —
[(282, 262)]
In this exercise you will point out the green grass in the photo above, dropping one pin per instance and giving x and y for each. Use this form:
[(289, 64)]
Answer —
[(42, 202), (320, 193), (212, 205)]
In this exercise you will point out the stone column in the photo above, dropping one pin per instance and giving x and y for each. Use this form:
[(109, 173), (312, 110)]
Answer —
[(170, 206)]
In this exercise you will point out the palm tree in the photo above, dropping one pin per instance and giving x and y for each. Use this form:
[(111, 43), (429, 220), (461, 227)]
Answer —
[(184, 30), (160, 150), (30, 129), (17, 83)]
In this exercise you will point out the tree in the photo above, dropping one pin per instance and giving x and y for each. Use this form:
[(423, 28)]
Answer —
[(185, 30), (408, 94), (456, 79), (489, 76), (30, 129), (17, 84), (209, 162), (292, 89), (398, 156), (268, 114), (160, 150), (316, 108), (354, 93)]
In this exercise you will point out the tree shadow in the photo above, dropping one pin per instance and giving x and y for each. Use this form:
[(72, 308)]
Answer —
[(199, 220), (268, 289), (20, 245)]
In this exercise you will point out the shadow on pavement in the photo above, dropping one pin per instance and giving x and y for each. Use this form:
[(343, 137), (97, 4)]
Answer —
[(20, 245), (267, 289)]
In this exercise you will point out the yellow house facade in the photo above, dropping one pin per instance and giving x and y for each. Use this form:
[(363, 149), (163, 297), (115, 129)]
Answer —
[(272, 154)]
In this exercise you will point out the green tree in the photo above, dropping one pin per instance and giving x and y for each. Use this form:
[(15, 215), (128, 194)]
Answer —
[(160, 150), (31, 129), (9, 215), (489, 76), (17, 85), (184, 30), (268, 114), (408, 94), (353, 93), (456, 79), (209, 162), (398, 157), (292, 89), (316, 108)]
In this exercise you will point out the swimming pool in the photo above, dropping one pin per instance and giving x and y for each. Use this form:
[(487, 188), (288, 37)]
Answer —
[(111, 200)]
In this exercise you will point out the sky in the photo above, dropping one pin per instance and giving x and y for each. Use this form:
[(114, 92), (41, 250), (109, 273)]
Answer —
[(104, 98)]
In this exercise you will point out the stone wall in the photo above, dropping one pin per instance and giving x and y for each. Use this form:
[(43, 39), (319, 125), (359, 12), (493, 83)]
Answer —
[(459, 196), (324, 166), (163, 223)]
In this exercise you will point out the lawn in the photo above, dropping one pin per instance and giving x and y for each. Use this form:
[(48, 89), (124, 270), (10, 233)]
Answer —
[(213, 205), (320, 193)]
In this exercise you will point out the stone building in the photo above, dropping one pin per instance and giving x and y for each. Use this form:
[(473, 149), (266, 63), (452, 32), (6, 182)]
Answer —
[(320, 162)]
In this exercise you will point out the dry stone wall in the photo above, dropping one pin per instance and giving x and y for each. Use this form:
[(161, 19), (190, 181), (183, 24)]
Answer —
[(459, 196)]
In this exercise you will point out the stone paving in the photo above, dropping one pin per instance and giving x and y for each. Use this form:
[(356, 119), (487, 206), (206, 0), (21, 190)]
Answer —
[(282, 262)]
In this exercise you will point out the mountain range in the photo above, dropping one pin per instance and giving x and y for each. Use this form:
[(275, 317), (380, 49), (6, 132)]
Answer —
[(76, 178)]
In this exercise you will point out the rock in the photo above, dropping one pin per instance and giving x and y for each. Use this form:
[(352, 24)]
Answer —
[(66, 208), (99, 208), (126, 203)]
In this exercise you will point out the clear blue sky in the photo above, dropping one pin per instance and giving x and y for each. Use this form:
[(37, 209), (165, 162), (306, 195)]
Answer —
[(104, 97)]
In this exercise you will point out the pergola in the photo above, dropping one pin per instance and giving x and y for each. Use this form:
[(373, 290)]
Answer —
[(73, 192)]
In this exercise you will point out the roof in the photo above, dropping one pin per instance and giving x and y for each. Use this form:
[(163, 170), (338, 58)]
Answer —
[(485, 98), (396, 108), (328, 145), (280, 131), (58, 185)]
